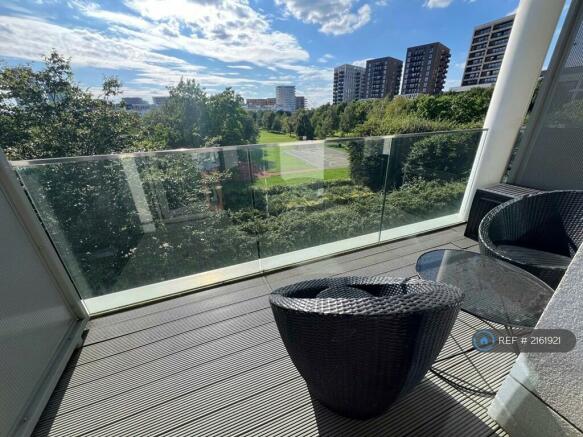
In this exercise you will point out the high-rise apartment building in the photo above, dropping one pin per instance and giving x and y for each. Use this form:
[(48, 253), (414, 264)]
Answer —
[(300, 102), (487, 51), (425, 69), (383, 77), (349, 83), (285, 98)]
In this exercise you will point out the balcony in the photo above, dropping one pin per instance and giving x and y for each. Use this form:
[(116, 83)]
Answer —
[(242, 210), (212, 363), (136, 284)]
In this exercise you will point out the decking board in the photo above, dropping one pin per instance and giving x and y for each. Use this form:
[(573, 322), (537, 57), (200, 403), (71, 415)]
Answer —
[(212, 364)]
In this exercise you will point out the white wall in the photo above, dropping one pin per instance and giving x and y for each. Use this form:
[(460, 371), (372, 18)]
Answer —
[(41, 321), (543, 395)]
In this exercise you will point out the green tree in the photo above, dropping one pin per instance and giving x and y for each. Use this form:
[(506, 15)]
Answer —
[(228, 122), (276, 124), (465, 107), (184, 119), (325, 121), (286, 125), (348, 118), (367, 163), (45, 114), (192, 119), (304, 126), (569, 115), (267, 119)]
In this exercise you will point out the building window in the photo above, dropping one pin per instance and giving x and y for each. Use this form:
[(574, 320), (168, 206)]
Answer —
[(482, 31), (498, 42), (496, 50), (503, 25)]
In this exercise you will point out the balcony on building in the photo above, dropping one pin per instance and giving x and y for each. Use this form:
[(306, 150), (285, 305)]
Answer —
[(169, 329)]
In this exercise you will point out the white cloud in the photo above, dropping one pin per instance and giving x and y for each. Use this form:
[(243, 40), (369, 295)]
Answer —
[(143, 92), (437, 3), (317, 96), (325, 58), (230, 31), (335, 17), (88, 48), (94, 11), (283, 78), (513, 11), (240, 67), (459, 65), (452, 83), (155, 40), (17, 8), (359, 62), (309, 73), (91, 49)]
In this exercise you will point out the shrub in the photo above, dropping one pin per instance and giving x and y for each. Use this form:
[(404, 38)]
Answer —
[(425, 199), (442, 157)]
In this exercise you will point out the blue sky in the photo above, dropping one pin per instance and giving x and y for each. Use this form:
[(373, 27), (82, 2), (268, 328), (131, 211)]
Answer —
[(250, 45)]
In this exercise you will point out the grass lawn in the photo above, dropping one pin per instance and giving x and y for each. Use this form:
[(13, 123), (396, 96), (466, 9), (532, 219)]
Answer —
[(266, 137), (274, 158), (304, 177)]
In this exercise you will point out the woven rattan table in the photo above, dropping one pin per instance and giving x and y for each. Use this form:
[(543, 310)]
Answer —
[(362, 343)]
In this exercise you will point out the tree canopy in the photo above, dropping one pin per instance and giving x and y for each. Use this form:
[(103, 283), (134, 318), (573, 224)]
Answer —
[(45, 114), (383, 116), (304, 128)]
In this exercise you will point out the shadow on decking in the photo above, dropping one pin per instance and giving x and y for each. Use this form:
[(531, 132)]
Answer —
[(59, 393), (427, 410)]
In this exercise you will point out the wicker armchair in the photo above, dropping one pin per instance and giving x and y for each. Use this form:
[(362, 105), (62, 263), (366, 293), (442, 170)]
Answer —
[(540, 233), (361, 343)]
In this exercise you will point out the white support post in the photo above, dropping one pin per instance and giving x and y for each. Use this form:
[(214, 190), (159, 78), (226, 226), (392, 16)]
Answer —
[(532, 32)]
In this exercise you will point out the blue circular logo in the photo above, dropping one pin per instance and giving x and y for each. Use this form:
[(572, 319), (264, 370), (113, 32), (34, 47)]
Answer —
[(484, 340)]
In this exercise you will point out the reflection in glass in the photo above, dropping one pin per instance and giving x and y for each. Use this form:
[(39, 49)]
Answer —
[(121, 222), (428, 175), (307, 195)]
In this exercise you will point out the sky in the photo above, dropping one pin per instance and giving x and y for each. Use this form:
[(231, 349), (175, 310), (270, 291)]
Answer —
[(249, 45)]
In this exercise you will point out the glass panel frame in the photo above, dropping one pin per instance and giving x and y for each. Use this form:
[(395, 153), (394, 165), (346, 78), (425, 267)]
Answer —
[(179, 220)]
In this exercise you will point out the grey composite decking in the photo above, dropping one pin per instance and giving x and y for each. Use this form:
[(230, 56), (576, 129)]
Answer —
[(212, 364)]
